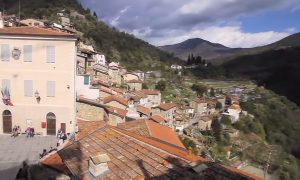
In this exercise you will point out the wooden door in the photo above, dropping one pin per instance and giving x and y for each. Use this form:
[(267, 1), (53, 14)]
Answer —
[(63, 127), (7, 121), (51, 124)]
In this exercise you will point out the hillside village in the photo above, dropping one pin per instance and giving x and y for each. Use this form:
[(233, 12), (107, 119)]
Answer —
[(120, 113)]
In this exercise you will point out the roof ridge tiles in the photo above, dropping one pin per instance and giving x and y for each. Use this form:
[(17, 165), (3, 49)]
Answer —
[(159, 145)]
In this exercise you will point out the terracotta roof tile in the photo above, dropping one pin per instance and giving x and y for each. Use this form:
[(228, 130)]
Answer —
[(206, 118), (143, 109), (33, 31), (119, 90), (133, 156), (157, 118), (134, 81), (166, 106), (235, 106), (198, 100), (86, 127), (150, 91), (107, 90), (116, 111), (122, 165), (54, 161), (151, 129), (163, 133), (115, 98)]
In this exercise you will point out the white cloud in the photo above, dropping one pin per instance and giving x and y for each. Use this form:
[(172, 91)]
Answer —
[(171, 21), (231, 36), (115, 20)]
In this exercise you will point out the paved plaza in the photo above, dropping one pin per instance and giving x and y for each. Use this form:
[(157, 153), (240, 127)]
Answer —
[(13, 151)]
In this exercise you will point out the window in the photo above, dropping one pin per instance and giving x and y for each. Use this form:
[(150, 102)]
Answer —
[(86, 80), (50, 88), (27, 53), (28, 90), (5, 85), (4, 52), (50, 51)]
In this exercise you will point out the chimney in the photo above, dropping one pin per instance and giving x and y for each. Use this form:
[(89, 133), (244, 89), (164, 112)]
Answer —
[(98, 164)]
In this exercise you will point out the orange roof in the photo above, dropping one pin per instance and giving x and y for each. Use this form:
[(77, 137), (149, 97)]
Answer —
[(101, 83), (150, 91), (118, 90), (163, 133), (33, 31), (134, 81), (198, 100), (115, 98), (86, 127), (151, 129), (157, 118), (211, 102), (133, 155), (143, 109), (116, 111), (206, 118), (166, 106), (107, 90), (235, 106), (54, 161)]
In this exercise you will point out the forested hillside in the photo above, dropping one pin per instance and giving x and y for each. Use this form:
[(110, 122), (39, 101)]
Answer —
[(118, 46), (278, 70)]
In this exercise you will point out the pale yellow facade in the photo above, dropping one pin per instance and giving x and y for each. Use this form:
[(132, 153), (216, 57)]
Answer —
[(26, 110)]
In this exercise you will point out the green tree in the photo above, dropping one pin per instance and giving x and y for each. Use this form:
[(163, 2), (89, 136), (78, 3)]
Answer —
[(199, 88), (212, 92), (216, 128), (225, 120), (161, 85), (190, 143), (144, 86), (219, 105), (95, 15)]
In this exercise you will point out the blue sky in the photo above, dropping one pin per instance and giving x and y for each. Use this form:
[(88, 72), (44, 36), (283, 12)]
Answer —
[(233, 23), (277, 20)]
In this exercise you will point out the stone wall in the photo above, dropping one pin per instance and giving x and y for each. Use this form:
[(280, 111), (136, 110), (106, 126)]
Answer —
[(89, 112)]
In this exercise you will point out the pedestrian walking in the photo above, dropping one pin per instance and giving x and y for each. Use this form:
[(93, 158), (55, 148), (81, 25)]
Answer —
[(19, 130), (59, 132), (28, 130), (31, 132)]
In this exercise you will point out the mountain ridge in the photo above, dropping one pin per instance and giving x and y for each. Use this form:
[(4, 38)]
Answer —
[(218, 53)]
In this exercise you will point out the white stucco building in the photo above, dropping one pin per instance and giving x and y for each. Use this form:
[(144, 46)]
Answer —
[(37, 74)]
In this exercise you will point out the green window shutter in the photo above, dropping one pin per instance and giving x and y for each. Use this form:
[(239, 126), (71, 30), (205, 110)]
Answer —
[(86, 80)]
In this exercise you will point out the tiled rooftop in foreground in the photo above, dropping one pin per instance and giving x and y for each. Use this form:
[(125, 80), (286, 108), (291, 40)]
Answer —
[(135, 156)]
